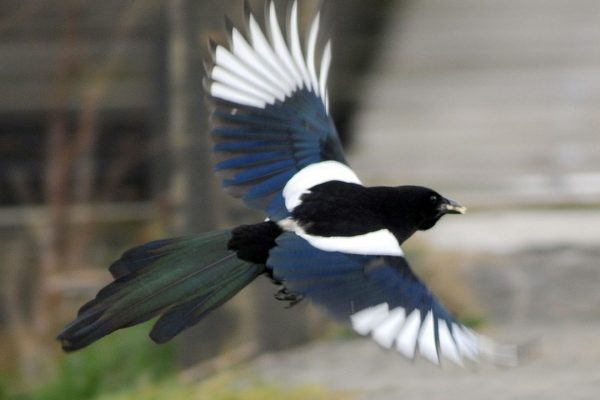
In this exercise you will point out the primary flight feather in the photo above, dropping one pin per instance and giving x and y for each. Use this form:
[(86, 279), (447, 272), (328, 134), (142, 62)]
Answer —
[(327, 237)]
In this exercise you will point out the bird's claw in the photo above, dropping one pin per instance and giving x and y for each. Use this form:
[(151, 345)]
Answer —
[(285, 295)]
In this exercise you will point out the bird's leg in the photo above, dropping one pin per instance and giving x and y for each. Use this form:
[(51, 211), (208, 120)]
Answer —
[(285, 295)]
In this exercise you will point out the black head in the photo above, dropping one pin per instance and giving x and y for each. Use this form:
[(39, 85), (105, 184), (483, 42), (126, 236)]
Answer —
[(434, 206), (420, 208)]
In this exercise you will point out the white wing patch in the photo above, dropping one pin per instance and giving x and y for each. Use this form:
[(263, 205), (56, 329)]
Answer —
[(393, 328), (448, 345), (366, 320), (262, 46), (324, 72), (294, 40), (310, 53), (269, 68), (281, 48), (427, 345), (385, 334), (406, 341)]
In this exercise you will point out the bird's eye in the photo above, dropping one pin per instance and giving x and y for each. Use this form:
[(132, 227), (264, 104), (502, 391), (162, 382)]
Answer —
[(433, 199)]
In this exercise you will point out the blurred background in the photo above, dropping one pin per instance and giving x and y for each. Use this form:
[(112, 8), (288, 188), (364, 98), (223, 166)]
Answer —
[(103, 145)]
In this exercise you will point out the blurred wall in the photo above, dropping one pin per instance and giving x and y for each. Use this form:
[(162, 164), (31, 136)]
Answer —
[(493, 102)]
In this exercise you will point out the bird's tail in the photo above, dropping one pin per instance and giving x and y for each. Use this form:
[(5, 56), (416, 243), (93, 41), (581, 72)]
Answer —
[(180, 279)]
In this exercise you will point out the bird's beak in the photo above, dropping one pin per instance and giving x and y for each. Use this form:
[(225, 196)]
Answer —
[(452, 207)]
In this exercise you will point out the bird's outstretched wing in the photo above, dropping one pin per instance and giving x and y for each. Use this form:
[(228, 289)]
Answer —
[(381, 296), (270, 110)]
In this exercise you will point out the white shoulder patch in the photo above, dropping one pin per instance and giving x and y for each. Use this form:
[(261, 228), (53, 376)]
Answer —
[(314, 175)]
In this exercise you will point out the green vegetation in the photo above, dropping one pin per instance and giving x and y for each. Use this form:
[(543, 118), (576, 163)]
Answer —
[(473, 321), (3, 391), (120, 361)]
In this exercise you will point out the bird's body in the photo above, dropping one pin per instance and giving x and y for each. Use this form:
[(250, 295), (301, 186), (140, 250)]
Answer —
[(337, 208), (327, 237)]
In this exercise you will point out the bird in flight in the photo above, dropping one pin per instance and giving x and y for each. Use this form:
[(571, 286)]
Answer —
[(327, 237)]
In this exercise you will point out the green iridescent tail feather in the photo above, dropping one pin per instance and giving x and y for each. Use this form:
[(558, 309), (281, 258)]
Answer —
[(180, 279)]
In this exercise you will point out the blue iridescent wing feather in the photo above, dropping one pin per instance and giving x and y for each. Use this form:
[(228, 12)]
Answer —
[(257, 154)]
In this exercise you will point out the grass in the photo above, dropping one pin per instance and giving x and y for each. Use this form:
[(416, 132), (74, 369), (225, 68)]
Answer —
[(113, 364), (3, 391)]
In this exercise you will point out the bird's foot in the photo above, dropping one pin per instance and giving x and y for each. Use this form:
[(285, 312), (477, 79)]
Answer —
[(285, 295)]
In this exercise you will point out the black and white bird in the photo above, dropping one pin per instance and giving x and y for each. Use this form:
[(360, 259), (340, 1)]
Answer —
[(327, 237)]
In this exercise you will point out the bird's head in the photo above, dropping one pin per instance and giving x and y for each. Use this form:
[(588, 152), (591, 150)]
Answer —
[(421, 208)]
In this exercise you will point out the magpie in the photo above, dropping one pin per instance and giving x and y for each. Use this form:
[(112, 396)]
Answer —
[(326, 236)]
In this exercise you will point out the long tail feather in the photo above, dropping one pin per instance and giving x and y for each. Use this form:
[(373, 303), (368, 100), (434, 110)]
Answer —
[(182, 279)]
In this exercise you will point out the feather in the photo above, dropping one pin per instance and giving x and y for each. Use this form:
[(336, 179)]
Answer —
[(163, 277)]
